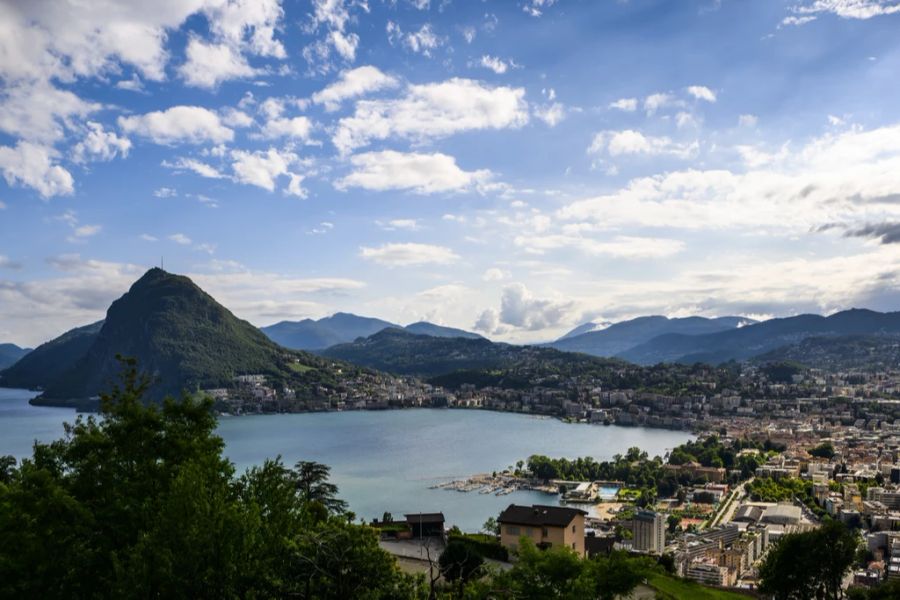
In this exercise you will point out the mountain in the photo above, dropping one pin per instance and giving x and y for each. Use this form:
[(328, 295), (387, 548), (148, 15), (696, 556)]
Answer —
[(48, 361), (839, 353), (180, 336), (586, 328), (426, 328), (753, 340), (622, 336), (10, 354), (399, 351), (316, 335)]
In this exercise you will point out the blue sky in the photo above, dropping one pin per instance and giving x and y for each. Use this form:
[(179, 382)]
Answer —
[(512, 167)]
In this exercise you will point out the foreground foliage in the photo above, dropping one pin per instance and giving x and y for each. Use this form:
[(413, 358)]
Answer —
[(810, 564), (141, 503)]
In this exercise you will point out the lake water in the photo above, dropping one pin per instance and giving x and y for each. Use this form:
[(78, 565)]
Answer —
[(386, 460)]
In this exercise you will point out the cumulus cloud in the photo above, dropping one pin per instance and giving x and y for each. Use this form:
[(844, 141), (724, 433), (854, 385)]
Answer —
[(402, 224), (261, 168), (520, 308), (177, 125), (630, 142), (296, 128), (209, 64), (626, 104), (431, 111), (32, 165), (180, 238), (846, 177), (495, 64), (495, 274), (99, 144), (748, 120), (351, 84), (421, 173), (654, 102), (701, 92), (409, 254), (331, 18)]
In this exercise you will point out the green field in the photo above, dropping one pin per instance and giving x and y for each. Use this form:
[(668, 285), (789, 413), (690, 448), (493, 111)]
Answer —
[(677, 589), (300, 367)]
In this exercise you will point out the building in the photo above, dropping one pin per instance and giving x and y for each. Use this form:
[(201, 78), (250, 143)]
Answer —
[(425, 524), (782, 514), (546, 526), (649, 532)]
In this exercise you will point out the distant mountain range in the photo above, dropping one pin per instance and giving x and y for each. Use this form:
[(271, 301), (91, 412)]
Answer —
[(753, 340), (179, 334), (617, 338), (341, 328), (839, 353), (10, 354)]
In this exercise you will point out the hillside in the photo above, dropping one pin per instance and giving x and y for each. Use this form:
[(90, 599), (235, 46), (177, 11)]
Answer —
[(10, 354), (750, 341), (310, 334), (620, 337), (48, 361), (183, 338), (840, 353), (426, 328)]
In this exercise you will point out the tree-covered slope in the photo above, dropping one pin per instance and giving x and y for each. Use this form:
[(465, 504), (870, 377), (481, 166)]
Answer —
[(840, 353), (48, 361), (184, 339)]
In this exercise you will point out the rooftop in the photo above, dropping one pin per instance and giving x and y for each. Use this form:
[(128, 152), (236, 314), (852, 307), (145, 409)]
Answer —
[(539, 515)]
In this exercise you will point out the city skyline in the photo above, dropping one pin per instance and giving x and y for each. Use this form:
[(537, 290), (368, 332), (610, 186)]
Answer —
[(509, 168)]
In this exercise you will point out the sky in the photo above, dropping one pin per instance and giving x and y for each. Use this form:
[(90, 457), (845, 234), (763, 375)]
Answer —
[(512, 167)]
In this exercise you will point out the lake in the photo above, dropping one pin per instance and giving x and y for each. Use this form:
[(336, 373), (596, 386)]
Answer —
[(386, 460)]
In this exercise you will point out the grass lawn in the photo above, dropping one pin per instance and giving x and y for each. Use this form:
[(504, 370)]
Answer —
[(300, 368), (687, 590)]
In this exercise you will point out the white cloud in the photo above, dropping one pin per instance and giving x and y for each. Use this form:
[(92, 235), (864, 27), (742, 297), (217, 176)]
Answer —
[(626, 104), (32, 165), (208, 65), (149, 238), (178, 124), (402, 224), (331, 17), (748, 120), (8, 263), (190, 164), (536, 8), (296, 128), (701, 92), (180, 238), (797, 21), (520, 308), (630, 142), (262, 168), (628, 247), (431, 111), (236, 118), (551, 114), (38, 112), (654, 102), (351, 84), (849, 9), (99, 144), (421, 173), (495, 274), (409, 254), (847, 177), (495, 64), (165, 192), (83, 231), (422, 41)]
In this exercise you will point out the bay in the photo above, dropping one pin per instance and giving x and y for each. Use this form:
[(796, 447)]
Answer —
[(386, 460)]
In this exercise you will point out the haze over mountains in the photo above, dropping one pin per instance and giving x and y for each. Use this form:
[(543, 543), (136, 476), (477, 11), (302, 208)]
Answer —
[(11, 354), (340, 328), (183, 337)]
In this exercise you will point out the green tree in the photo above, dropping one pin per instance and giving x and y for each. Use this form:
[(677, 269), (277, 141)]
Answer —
[(312, 483), (459, 564), (491, 526), (810, 564)]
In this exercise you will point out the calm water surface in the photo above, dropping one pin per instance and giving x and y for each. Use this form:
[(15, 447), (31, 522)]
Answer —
[(385, 461)]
